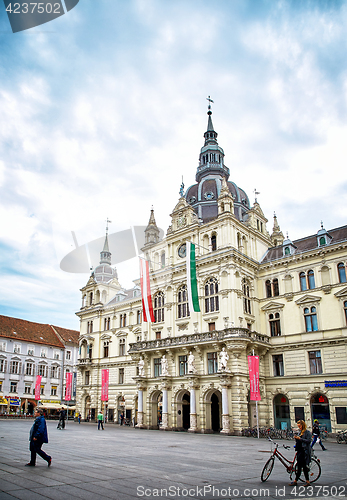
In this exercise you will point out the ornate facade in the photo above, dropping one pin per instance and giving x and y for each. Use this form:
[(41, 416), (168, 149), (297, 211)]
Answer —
[(283, 300)]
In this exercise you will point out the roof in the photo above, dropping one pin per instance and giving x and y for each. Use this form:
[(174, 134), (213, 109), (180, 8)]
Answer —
[(67, 336), (28, 331), (337, 235)]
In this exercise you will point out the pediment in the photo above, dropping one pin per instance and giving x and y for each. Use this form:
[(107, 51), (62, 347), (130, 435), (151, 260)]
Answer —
[(258, 210), (308, 299), (271, 306), (91, 281), (341, 294), (86, 338), (181, 205), (105, 336)]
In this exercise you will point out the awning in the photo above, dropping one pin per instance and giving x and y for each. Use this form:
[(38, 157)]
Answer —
[(50, 406)]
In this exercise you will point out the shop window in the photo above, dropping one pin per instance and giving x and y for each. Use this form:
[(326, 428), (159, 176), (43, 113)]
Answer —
[(212, 362), (278, 366), (211, 295), (159, 307), (341, 268), (157, 367), (275, 324), (121, 376), (299, 413), (310, 315), (182, 299), (341, 414), (315, 362), (183, 365)]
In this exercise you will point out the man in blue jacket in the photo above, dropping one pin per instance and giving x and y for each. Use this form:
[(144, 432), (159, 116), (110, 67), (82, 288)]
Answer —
[(38, 436)]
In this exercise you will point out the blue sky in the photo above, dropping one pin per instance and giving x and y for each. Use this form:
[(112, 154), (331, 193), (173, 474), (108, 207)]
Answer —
[(103, 110)]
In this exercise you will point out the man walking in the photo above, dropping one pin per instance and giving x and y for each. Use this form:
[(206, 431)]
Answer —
[(316, 435), (100, 421), (38, 436)]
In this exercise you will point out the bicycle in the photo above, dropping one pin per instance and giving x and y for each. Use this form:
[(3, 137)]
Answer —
[(341, 437), (314, 468)]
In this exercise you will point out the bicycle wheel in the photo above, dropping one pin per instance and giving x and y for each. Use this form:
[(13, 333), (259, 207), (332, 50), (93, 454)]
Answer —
[(340, 439), (267, 469), (314, 471)]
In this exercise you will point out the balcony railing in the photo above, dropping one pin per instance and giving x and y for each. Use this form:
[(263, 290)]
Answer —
[(84, 361), (200, 338)]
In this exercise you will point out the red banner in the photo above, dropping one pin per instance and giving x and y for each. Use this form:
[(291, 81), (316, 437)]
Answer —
[(147, 306), (68, 386), (253, 367), (38, 387), (104, 385)]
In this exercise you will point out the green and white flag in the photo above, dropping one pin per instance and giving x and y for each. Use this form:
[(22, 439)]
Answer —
[(192, 287)]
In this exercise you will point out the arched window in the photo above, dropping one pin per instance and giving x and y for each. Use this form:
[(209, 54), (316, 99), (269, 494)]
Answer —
[(211, 295), (106, 348), (268, 288), (214, 243), (322, 241), (246, 296), (342, 272), (162, 258), (123, 320), (310, 315), (91, 298), (307, 282), (272, 289), (122, 347), (139, 317), (90, 327), (158, 307), (275, 324), (182, 299)]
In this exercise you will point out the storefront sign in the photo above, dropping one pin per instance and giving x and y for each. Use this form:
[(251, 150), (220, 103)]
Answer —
[(253, 367), (14, 401), (336, 383), (104, 385), (3, 401)]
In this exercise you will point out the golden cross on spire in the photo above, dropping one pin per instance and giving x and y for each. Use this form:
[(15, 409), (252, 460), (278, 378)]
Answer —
[(209, 101)]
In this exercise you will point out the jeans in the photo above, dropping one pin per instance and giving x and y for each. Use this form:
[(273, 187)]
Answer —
[(35, 448)]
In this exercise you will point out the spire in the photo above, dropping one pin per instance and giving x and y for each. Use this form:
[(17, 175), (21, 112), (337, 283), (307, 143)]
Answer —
[(277, 237), (151, 231), (210, 134), (105, 254)]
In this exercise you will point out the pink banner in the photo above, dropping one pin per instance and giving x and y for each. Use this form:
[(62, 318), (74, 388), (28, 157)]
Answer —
[(68, 386), (38, 387), (104, 385), (253, 367)]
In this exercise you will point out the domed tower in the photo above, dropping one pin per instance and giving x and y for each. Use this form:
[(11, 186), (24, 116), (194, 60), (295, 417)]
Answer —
[(104, 273), (203, 196)]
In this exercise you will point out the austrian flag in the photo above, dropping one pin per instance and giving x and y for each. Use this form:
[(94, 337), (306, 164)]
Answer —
[(192, 287), (147, 306)]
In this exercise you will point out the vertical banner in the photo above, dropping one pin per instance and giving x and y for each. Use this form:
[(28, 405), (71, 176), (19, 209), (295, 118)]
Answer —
[(104, 385), (253, 367), (38, 387), (148, 314), (192, 286), (68, 386), (74, 384)]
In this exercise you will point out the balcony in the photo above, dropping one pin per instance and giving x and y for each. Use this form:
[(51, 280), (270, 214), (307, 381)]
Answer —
[(200, 338), (84, 361)]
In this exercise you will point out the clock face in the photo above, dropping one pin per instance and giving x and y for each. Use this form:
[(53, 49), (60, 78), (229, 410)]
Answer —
[(182, 250)]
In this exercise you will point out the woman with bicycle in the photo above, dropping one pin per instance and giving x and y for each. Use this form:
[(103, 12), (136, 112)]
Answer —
[(303, 449)]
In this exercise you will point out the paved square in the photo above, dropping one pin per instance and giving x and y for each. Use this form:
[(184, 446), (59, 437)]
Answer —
[(125, 463)]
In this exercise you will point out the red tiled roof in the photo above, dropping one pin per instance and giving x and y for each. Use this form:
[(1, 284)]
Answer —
[(68, 336), (28, 331)]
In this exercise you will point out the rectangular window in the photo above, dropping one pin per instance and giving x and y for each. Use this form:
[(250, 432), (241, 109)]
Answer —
[(43, 353), (3, 364), (315, 362), (299, 413), (54, 371), (53, 390), (29, 369), (0, 385), (183, 365), (68, 354), (158, 335), (13, 386), (30, 351), (42, 370), (122, 347), (211, 327), (27, 389), (106, 345), (278, 365), (157, 367), (121, 376), (341, 414), (86, 377), (42, 389), (16, 348), (14, 367), (56, 355), (2, 346), (212, 362)]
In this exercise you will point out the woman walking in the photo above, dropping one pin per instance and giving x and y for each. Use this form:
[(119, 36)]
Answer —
[(303, 450)]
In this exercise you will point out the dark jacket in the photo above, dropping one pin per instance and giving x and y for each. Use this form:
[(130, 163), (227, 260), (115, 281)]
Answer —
[(39, 430), (303, 447), (315, 429)]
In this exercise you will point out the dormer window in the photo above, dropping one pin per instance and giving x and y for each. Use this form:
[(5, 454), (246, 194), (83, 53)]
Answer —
[(286, 250), (322, 241)]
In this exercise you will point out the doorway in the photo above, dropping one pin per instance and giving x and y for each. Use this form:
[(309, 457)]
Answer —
[(320, 410)]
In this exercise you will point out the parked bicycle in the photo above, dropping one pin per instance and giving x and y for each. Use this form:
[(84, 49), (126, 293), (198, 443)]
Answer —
[(314, 468), (341, 437)]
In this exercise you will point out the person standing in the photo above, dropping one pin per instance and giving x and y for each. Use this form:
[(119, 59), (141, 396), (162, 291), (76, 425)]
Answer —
[(303, 451), (61, 423), (316, 435), (121, 418), (100, 421), (38, 435)]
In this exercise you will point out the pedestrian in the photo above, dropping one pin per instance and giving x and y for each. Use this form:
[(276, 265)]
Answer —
[(38, 436), (121, 418), (61, 423), (100, 421), (79, 418), (303, 452), (316, 435)]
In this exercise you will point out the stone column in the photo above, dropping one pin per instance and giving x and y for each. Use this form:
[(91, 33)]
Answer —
[(140, 413), (193, 414), (165, 408), (225, 381)]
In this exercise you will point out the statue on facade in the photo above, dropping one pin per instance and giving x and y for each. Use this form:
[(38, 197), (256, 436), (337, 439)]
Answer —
[(164, 366), (223, 359), (141, 366), (191, 361)]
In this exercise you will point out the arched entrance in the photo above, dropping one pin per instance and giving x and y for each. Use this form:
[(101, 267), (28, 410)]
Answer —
[(281, 412), (183, 410), (320, 410), (213, 401), (87, 409), (156, 402), (120, 409)]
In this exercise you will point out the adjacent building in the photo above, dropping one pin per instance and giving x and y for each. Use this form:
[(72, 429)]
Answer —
[(29, 349), (259, 293)]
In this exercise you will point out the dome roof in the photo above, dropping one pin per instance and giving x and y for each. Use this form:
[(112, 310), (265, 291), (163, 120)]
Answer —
[(104, 273)]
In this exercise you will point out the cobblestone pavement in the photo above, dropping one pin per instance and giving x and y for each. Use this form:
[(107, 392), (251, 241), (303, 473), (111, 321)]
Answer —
[(125, 463)]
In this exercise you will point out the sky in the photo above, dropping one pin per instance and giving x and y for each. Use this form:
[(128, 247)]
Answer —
[(103, 110)]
